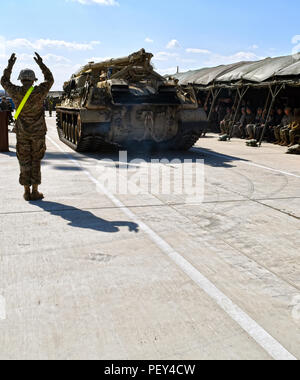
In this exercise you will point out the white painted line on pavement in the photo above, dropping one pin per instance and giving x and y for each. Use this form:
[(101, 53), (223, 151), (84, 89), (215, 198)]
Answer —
[(253, 329), (220, 155)]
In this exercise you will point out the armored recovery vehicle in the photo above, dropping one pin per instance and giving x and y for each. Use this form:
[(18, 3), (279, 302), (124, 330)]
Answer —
[(124, 102)]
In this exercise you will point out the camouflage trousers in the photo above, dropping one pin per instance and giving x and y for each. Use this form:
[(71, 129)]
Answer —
[(250, 128), (277, 132), (224, 127), (30, 152), (285, 135), (294, 134)]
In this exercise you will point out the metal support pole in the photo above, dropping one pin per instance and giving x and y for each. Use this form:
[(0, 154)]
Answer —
[(274, 95), (215, 97), (233, 116), (207, 98), (236, 100), (241, 94), (267, 102)]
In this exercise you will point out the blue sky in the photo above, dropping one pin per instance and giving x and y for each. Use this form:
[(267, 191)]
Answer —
[(189, 34)]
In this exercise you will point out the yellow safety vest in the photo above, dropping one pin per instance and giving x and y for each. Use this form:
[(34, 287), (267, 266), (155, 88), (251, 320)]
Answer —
[(24, 101)]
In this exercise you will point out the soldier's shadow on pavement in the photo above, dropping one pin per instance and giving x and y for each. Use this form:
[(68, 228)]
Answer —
[(9, 154), (84, 219)]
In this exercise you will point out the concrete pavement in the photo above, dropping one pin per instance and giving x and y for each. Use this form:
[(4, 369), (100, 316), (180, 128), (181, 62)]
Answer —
[(92, 276)]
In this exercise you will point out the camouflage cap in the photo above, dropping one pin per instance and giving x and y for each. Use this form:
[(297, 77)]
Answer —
[(27, 74)]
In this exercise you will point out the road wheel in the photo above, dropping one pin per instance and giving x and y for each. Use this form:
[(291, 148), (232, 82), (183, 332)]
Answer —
[(78, 130), (65, 128)]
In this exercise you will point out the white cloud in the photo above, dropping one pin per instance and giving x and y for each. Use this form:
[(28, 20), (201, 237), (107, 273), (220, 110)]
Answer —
[(173, 44), (109, 3), (28, 58), (187, 60), (296, 39), (169, 70), (254, 47), (247, 55), (61, 67), (164, 56), (218, 59), (197, 51), (62, 71), (97, 59), (56, 58), (22, 43), (2, 46), (65, 57), (149, 40)]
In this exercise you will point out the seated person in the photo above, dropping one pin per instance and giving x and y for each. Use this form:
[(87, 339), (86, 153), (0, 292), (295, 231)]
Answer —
[(264, 126), (214, 118), (294, 128), (275, 120), (225, 123), (283, 126), (249, 121), (251, 127), (239, 127), (278, 116)]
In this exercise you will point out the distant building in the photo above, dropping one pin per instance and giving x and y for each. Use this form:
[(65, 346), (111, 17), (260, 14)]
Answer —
[(56, 94)]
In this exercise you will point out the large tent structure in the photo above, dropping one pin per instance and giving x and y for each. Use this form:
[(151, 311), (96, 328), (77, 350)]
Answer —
[(271, 76), (281, 69)]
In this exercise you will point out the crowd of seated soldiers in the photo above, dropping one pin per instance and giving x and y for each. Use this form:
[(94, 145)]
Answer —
[(282, 126)]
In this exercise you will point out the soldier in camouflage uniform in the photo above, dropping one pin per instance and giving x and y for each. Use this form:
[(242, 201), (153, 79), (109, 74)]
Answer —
[(50, 106), (31, 126), (294, 132)]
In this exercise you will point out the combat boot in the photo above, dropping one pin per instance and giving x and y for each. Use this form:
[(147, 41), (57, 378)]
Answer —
[(27, 195), (295, 149), (292, 141), (224, 138), (36, 195)]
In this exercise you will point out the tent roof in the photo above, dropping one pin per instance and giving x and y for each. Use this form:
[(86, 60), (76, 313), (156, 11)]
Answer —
[(270, 68), (255, 72), (242, 71), (292, 70), (207, 75), (213, 74)]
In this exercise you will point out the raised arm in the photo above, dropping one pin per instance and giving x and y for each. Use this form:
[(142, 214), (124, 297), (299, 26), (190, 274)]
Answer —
[(5, 80), (49, 80)]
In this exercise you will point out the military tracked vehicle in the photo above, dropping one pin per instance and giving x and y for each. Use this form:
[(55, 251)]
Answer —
[(124, 102)]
